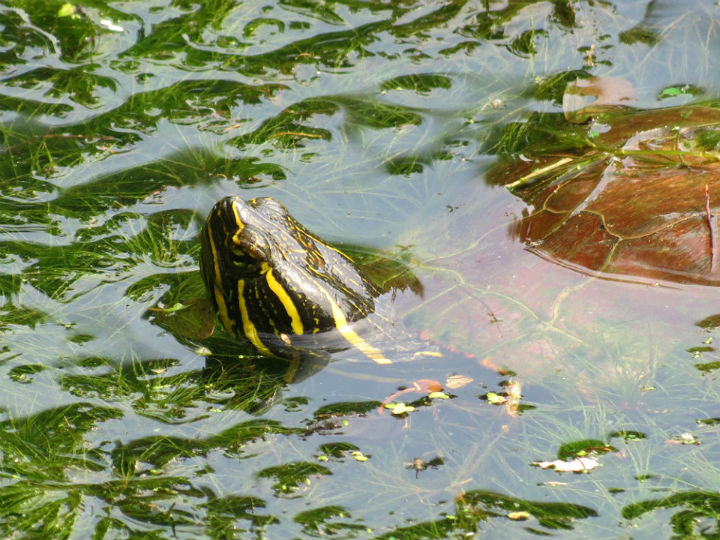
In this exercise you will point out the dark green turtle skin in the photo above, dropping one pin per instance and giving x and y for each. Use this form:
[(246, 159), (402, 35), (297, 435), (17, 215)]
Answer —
[(282, 287)]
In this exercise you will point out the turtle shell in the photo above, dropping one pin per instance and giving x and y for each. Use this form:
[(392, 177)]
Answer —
[(642, 203), (604, 242)]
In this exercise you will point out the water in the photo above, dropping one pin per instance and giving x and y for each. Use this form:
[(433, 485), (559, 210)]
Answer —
[(379, 125)]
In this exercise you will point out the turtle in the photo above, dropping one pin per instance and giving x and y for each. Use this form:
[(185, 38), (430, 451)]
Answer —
[(290, 293), (278, 284), (634, 202)]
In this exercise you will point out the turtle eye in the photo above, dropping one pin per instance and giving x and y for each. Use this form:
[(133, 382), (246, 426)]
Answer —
[(243, 260), (238, 252), (241, 264)]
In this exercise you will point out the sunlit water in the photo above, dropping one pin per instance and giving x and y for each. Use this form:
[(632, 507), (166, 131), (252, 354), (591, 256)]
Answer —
[(375, 123)]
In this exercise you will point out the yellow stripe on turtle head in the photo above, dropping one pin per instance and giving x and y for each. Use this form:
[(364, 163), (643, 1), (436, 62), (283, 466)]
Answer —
[(248, 326), (223, 312), (351, 336), (238, 221), (218, 292), (287, 302)]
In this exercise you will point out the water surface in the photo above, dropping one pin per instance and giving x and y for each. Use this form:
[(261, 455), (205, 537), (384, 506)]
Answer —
[(377, 123)]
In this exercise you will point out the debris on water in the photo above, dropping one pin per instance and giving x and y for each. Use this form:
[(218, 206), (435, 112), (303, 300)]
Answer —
[(577, 465)]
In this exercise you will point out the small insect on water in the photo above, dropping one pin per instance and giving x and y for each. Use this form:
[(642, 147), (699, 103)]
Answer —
[(419, 464)]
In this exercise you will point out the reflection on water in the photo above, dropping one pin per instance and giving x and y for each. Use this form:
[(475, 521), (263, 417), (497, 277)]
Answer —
[(382, 126)]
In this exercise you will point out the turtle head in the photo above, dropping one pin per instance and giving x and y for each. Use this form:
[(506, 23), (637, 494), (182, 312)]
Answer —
[(267, 273)]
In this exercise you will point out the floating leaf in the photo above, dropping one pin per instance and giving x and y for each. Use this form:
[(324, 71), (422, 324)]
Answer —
[(426, 386), (519, 516), (359, 456), (628, 435), (399, 408), (438, 395), (684, 438), (421, 386), (454, 382), (584, 447), (495, 399), (107, 23), (66, 10), (514, 390), (682, 90), (177, 306), (580, 464)]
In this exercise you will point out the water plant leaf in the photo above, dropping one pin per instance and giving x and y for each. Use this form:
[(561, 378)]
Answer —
[(399, 409), (577, 465), (121, 123), (453, 382), (359, 456), (495, 399), (684, 438), (66, 10)]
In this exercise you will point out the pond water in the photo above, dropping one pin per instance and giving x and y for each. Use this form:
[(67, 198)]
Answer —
[(383, 126)]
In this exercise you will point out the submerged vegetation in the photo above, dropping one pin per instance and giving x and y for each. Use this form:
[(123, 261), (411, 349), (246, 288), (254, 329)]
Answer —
[(386, 127)]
